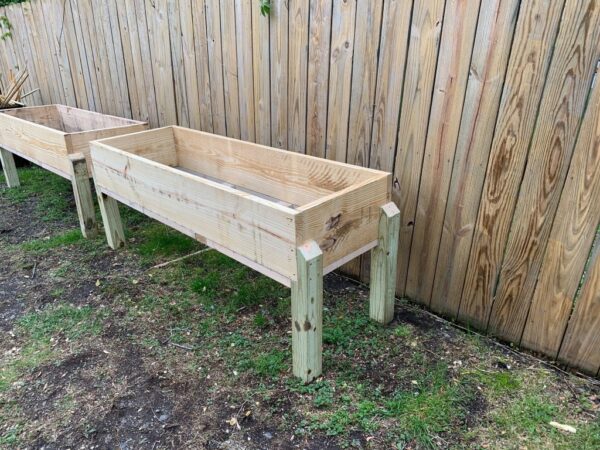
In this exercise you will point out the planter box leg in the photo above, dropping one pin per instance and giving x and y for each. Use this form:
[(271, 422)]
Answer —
[(83, 196), (113, 227), (383, 265), (10, 170), (307, 313)]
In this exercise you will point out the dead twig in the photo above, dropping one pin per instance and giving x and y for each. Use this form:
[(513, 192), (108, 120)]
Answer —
[(161, 265)]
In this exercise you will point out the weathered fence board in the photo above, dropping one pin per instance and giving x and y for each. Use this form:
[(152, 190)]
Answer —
[(481, 109)]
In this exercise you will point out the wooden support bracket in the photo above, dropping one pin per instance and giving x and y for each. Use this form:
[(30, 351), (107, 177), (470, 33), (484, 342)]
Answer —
[(383, 265), (113, 227), (82, 191), (307, 313), (10, 170)]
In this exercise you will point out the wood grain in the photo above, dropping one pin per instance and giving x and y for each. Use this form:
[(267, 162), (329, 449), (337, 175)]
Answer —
[(230, 68), (262, 76), (423, 46), (202, 64), (571, 238), (535, 34), (297, 74), (243, 23), (576, 52), (279, 72), (497, 20)]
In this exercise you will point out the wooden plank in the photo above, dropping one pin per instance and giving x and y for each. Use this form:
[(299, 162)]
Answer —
[(243, 23), (215, 63), (390, 79), (197, 112), (340, 79), (116, 52), (535, 33), (297, 74), (279, 174), (230, 68), (423, 45), (364, 76), (571, 239), (86, 35), (262, 76), (497, 20), (111, 218), (559, 118), (131, 54), (158, 37), (202, 65), (199, 206), (582, 340), (318, 76), (86, 69), (279, 73), (37, 50), (11, 176), (384, 259), (346, 220), (82, 191), (307, 313), (136, 13), (177, 61), (460, 23)]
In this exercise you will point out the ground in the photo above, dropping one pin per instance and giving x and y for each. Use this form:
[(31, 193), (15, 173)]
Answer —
[(102, 349)]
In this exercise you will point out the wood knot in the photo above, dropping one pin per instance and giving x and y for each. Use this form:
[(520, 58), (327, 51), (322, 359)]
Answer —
[(333, 222), (307, 325)]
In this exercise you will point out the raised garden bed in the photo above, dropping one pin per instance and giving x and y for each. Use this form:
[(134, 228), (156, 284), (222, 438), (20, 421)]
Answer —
[(57, 137), (291, 217)]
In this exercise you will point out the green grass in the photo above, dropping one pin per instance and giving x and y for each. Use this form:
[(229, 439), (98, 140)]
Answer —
[(157, 241), (53, 193), (70, 237)]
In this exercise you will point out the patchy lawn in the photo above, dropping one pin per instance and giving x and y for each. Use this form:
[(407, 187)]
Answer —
[(102, 349)]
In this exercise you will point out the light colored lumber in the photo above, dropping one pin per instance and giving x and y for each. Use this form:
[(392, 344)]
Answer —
[(390, 78), (243, 24), (297, 73), (82, 191), (178, 61), (262, 76), (340, 79), (197, 113), (421, 63), (318, 76), (582, 340), (570, 240), (202, 65), (307, 313), (278, 29), (384, 261), (111, 218), (551, 149), (10, 170), (497, 20), (215, 65), (230, 68), (525, 80)]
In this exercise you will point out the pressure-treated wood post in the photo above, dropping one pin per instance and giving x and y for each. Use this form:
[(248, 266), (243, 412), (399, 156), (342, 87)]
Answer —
[(113, 227), (10, 170), (82, 191), (383, 265), (307, 313)]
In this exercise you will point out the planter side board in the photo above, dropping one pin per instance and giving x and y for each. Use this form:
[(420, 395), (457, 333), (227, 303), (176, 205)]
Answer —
[(255, 231), (39, 144)]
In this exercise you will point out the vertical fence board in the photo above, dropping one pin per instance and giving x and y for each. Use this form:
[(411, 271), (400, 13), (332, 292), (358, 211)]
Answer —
[(279, 73), (297, 74), (460, 21), (177, 63), (495, 30), (318, 76), (582, 340), (37, 62), (577, 49), (230, 68), (243, 23), (202, 64), (571, 238), (426, 27), (340, 79), (262, 76), (530, 57)]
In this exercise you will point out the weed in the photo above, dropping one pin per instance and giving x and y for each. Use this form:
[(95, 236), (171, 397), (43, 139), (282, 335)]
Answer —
[(61, 240), (69, 320)]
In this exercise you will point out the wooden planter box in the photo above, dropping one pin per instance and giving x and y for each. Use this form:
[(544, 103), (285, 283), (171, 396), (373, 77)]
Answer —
[(57, 138), (291, 217)]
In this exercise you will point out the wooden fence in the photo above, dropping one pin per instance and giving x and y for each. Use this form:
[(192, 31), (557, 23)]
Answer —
[(484, 110)]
